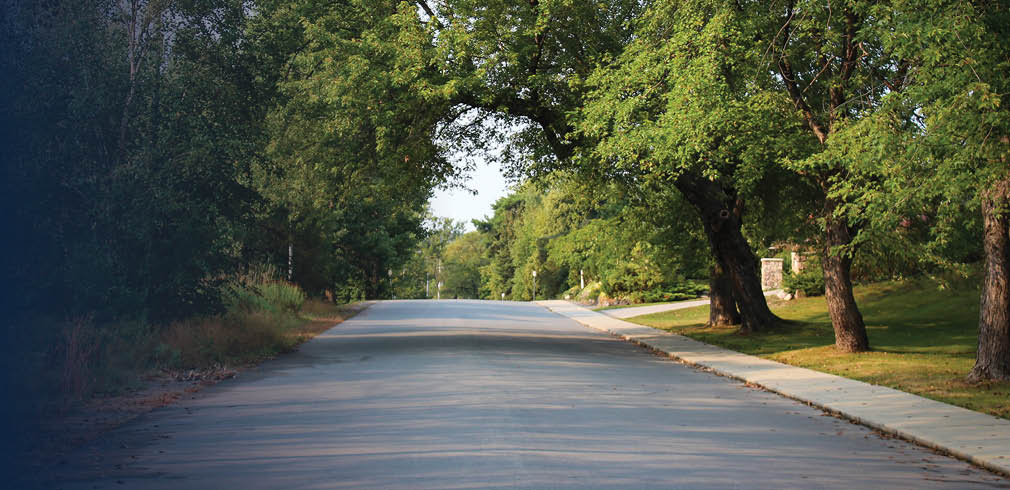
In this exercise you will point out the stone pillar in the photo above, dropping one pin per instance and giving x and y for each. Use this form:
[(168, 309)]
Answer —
[(799, 262), (771, 274)]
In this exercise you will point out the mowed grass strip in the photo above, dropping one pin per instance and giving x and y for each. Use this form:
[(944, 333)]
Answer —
[(923, 341)]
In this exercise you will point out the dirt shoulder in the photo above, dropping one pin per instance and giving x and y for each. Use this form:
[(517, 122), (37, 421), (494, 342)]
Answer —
[(88, 420)]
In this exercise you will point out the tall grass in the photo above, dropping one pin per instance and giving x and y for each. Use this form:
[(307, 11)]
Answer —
[(261, 314), (80, 357)]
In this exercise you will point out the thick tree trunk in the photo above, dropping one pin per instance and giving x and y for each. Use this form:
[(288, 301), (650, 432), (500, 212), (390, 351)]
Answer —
[(722, 304), (992, 361), (850, 331), (721, 216)]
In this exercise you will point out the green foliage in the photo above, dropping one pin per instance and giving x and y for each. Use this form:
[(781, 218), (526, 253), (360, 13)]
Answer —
[(567, 226), (463, 260), (676, 292), (637, 273), (283, 296), (810, 282)]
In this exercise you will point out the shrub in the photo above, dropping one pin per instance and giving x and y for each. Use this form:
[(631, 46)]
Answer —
[(283, 296), (590, 294), (247, 298), (639, 272), (677, 292), (810, 282), (267, 296)]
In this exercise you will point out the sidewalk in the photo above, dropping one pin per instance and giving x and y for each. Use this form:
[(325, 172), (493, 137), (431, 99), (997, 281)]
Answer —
[(972, 436), (646, 310)]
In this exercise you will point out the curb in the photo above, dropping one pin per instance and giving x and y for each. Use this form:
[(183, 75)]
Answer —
[(978, 438)]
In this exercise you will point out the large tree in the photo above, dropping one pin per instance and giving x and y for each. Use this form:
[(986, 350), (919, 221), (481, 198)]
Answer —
[(353, 155), (826, 60), (684, 104), (956, 157)]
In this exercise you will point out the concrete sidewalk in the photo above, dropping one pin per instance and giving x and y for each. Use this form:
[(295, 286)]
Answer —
[(645, 310), (633, 311), (981, 439)]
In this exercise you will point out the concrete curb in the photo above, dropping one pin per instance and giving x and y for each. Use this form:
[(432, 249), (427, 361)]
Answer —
[(975, 437)]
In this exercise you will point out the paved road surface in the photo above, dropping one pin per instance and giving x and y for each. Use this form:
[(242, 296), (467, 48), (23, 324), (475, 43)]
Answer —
[(465, 394)]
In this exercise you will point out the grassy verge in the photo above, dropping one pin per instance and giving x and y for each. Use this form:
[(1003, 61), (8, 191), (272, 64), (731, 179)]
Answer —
[(923, 341), (248, 336), (109, 379), (263, 318)]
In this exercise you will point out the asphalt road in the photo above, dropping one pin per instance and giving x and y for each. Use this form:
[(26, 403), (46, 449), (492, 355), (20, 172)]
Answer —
[(467, 394)]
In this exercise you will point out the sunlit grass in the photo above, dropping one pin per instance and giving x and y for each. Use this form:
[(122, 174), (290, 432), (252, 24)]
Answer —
[(923, 341)]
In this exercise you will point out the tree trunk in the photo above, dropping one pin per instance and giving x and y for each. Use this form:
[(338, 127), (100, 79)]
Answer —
[(722, 305), (721, 216), (992, 361), (850, 331)]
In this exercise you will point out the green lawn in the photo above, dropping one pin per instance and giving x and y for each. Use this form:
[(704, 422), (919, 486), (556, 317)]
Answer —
[(923, 341)]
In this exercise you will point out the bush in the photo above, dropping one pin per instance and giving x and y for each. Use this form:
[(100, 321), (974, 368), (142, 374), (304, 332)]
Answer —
[(247, 299), (638, 273), (810, 282), (283, 296), (267, 296), (677, 292)]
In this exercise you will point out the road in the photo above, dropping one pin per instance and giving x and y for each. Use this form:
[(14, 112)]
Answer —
[(468, 394)]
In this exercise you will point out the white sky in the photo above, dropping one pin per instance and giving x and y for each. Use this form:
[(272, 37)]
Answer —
[(460, 205)]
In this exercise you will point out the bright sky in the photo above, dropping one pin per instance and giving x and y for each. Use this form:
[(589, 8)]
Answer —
[(460, 205)]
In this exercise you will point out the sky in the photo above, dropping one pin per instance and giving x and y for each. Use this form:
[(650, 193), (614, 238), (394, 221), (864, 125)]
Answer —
[(460, 205)]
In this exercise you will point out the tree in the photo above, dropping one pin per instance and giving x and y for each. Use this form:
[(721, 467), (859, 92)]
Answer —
[(835, 73), (463, 259), (569, 229), (684, 105), (130, 200), (352, 156), (958, 149)]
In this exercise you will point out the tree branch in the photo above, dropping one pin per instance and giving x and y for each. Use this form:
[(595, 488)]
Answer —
[(789, 78), (431, 13)]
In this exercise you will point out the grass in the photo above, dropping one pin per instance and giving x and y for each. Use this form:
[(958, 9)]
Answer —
[(923, 341), (319, 316), (249, 336)]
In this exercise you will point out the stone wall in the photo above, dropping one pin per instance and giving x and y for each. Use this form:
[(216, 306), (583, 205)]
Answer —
[(771, 274)]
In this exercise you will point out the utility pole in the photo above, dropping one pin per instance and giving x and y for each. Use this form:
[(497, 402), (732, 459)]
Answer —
[(582, 282), (534, 284), (291, 260)]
